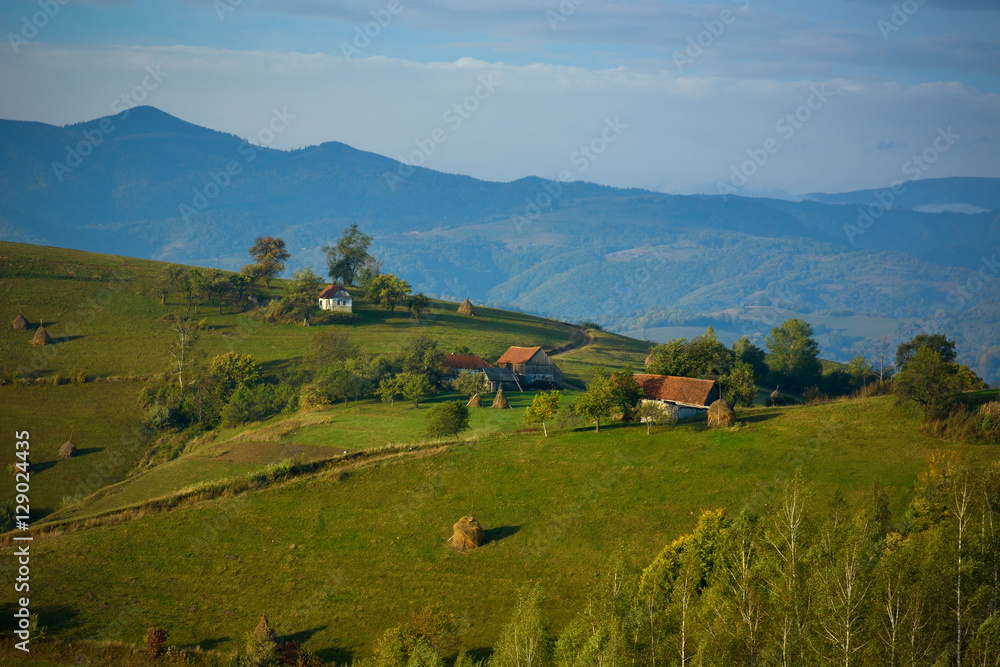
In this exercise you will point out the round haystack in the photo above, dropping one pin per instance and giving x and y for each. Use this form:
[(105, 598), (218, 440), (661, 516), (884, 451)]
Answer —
[(264, 631), (20, 324), (41, 337), (475, 402), (649, 359), (500, 401), (466, 309), (720, 414), (467, 534), (68, 450)]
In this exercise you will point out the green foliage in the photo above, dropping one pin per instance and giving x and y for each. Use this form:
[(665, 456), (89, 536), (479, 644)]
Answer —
[(8, 515), (469, 384), (542, 409), (701, 357), (738, 385), (651, 413), (418, 303), (608, 394), (349, 255), (422, 357), (794, 356), (230, 370), (447, 419), (525, 640), (333, 346), (938, 343), (387, 290), (256, 403), (269, 255), (302, 292), (928, 381), (747, 352), (860, 370), (415, 387), (390, 388)]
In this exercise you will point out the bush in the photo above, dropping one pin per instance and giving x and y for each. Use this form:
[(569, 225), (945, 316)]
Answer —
[(155, 639), (81, 376), (250, 404), (160, 417), (7, 516), (446, 419)]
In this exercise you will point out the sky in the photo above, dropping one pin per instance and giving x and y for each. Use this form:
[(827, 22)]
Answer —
[(751, 97)]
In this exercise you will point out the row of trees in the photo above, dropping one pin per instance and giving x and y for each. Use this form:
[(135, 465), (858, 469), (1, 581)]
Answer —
[(792, 581)]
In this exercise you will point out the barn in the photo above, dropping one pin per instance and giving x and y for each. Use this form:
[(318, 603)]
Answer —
[(686, 397), (470, 363), (335, 297), (530, 365)]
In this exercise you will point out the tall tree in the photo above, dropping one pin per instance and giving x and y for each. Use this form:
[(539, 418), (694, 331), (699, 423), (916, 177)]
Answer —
[(600, 399), (168, 280), (543, 408), (860, 369), (928, 381), (348, 255), (738, 385), (418, 303), (217, 286), (794, 355), (269, 255), (301, 293)]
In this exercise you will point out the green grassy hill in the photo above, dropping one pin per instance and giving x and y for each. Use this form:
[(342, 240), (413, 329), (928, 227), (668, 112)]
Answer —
[(353, 540)]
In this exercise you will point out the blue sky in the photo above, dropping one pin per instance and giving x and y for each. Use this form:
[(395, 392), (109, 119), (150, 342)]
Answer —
[(773, 97)]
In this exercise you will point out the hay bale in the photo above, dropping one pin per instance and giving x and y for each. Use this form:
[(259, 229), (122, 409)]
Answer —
[(264, 631), (41, 337), (68, 450), (475, 402), (19, 324), (466, 309), (467, 534), (500, 401), (720, 414)]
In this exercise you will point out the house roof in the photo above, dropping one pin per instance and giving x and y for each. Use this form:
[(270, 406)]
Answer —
[(465, 361), (518, 355), (332, 291), (689, 391), (499, 374)]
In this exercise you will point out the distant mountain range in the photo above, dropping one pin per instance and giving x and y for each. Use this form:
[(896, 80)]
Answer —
[(147, 184)]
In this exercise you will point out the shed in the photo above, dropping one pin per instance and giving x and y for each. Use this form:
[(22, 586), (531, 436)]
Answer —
[(689, 395)]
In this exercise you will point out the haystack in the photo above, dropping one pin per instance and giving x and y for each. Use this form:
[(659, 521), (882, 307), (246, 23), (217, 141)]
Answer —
[(264, 630), (649, 359), (774, 398), (720, 414), (500, 401), (20, 324), (475, 402), (41, 337), (466, 309), (467, 534), (67, 450)]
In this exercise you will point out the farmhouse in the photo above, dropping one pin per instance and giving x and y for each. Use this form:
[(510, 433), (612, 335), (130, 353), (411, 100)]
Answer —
[(684, 396), (530, 364), (335, 297), (470, 363)]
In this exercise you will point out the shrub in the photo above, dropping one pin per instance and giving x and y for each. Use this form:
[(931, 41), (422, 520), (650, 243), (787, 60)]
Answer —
[(446, 419), (160, 417), (250, 404), (155, 639), (81, 376)]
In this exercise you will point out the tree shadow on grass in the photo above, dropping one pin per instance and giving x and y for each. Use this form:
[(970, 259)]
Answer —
[(335, 655), (497, 534), (213, 643), (87, 451), (302, 636), (754, 418), (64, 339), (43, 466)]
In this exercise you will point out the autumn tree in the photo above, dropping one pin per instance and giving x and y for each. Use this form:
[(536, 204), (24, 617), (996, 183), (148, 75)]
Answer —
[(542, 409)]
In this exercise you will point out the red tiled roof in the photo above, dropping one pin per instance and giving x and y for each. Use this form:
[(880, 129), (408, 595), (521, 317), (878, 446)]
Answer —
[(465, 362), (331, 291), (518, 355), (690, 391)]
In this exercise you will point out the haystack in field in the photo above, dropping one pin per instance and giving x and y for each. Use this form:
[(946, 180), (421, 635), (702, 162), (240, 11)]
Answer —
[(467, 534), (41, 337), (475, 402), (19, 324), (264, 631), (775, 398), (466, 309), (649, 359), (68, 450), (500, 401), (720, 414)]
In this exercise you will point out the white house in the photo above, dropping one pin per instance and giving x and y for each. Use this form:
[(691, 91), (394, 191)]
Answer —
[(335, 297)]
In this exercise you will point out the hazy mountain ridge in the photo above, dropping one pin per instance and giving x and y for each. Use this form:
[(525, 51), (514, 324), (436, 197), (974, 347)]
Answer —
[(151, 185)]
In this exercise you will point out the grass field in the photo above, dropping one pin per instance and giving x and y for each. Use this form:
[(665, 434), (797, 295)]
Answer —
[(334, 559)]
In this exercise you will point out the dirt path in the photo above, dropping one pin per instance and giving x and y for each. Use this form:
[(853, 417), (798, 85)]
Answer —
[(583, 339)]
